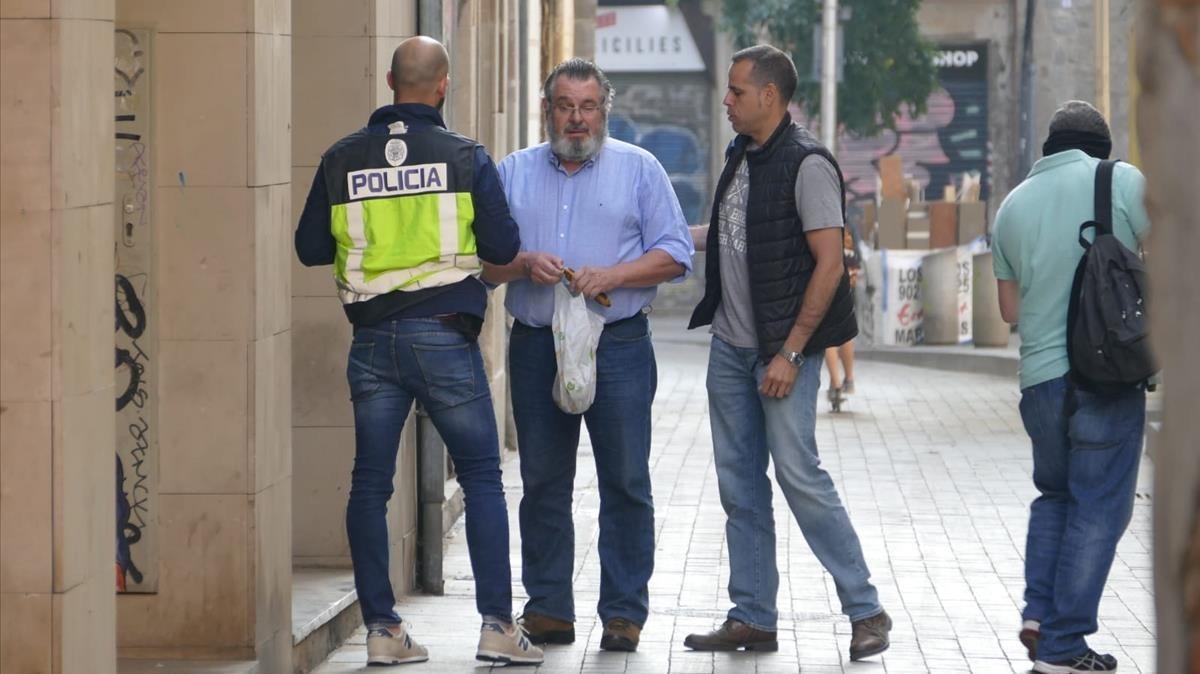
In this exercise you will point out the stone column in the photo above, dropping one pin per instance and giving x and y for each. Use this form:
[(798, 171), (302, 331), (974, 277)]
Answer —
[(585, 29), (1169, 133), (1064, 61), (558, 33), (57, 520), (221, 82)]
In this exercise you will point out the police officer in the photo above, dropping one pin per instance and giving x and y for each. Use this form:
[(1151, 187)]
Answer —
[(405, 210)]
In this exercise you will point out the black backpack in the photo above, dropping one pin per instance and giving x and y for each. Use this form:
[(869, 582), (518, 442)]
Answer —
[(1107, 325)]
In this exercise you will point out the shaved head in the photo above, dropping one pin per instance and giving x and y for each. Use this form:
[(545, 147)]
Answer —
[(419, 65)]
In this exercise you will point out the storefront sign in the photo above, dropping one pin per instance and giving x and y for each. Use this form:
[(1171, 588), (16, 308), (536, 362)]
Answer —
[(645, 38)]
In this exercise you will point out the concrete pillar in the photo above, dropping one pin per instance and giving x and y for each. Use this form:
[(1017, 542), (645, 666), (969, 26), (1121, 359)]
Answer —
[(57, 520), (341, 54), (1169, 133), (482, 66), (585, 29), (1067, 67), (532, 73), (558, 33), (221, 181)]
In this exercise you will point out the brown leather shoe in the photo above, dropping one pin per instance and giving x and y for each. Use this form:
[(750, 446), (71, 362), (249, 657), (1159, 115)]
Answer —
[(620, 635), (869, 636), (731, 636), (1031, 631), (542, 629)]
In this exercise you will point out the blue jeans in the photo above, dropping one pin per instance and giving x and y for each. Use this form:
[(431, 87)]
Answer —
[(747, 429), (392, 364), (548, 438), (1085, 467)]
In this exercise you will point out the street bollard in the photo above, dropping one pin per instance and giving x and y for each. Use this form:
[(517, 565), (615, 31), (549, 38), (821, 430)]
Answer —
[(990, 329), (939, 296)]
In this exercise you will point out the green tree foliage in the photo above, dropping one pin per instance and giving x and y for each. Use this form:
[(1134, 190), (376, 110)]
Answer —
[(887, 64)]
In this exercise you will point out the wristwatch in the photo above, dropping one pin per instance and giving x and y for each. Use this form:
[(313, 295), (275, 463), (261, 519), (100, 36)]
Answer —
[(794, 357)]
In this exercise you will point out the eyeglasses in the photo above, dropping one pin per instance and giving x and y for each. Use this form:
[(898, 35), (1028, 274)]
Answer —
[(585, 110)]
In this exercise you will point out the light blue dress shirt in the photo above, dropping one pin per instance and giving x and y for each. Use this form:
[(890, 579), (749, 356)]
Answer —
[(618, 206)]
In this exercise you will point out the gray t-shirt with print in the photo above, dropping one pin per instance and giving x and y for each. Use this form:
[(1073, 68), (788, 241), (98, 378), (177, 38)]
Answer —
[(819, 203)]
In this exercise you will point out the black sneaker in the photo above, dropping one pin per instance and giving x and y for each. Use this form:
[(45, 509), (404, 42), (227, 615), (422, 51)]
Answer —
[(1090, 661)]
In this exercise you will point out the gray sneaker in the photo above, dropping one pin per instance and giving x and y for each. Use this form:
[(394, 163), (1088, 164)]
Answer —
[(1090, 661), (393, 646), (506, 643)]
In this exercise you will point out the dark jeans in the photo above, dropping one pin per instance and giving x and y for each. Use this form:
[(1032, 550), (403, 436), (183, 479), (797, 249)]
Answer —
[(391, 365), (1085, 467), (619, 425)]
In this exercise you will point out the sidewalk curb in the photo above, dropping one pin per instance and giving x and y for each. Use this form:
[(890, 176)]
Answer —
[(956, 359)]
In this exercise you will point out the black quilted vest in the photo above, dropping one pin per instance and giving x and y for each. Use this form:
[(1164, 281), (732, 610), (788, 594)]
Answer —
[(777, 253)]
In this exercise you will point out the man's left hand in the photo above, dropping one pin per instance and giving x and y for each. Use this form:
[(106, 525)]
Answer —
[(592, 281), (779, 378)]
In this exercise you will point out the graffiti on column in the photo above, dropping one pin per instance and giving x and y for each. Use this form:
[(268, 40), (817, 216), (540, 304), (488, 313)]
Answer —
[(136, 343), (667, 119)]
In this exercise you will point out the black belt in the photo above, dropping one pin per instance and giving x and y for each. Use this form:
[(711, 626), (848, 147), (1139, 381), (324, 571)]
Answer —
[(639, 316)]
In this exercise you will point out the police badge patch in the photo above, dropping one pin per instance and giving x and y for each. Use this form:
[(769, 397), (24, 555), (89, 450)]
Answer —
[(396, 151)]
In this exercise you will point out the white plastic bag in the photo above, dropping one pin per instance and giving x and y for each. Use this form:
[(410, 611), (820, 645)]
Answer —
[(576, 335)]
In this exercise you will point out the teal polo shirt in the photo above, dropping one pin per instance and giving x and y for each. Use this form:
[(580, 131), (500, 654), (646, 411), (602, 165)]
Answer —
[(1035, 242)]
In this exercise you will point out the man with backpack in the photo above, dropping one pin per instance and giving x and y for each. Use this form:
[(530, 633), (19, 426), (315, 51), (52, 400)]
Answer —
[(1063, 249)]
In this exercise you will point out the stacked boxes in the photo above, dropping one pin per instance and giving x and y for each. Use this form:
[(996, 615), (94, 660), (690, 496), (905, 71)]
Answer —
[(899, 218), (910, 295)]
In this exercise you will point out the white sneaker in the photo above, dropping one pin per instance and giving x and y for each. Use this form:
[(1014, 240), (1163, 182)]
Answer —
[(393, 647), (506, 643)]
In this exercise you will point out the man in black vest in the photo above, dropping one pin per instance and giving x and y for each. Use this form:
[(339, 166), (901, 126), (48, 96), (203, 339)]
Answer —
[(777, 295)]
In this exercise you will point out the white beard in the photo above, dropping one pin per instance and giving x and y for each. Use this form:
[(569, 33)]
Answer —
[(573, 149)]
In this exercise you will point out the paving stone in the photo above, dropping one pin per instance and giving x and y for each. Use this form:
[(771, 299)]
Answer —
[(935, 470)]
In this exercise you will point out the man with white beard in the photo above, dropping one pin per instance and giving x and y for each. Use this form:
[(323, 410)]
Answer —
[(607, 210)]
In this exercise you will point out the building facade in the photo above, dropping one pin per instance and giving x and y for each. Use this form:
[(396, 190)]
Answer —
[(175, 425)]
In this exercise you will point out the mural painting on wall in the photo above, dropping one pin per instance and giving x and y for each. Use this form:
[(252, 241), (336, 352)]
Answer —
[(136, 336), (937, 147), (664, 119)]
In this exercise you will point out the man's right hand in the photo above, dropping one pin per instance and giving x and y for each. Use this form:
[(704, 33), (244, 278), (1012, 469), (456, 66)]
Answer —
[(543, 268)]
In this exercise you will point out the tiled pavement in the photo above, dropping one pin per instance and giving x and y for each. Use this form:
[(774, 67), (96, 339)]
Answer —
[(934, 468)]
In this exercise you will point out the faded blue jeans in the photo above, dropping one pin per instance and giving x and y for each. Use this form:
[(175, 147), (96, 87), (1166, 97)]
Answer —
[(619, 425), (390, 365), (748, 429), (1085, 467)]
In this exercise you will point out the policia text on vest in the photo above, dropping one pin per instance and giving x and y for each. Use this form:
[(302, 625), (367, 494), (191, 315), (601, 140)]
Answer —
[(396, 181)]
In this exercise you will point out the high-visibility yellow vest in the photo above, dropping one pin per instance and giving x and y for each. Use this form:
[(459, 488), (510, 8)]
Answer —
[(401, 210)]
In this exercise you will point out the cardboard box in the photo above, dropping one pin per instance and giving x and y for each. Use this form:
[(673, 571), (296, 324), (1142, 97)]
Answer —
[(891, 176), (868, 225), (972, 220), (971, 185), (891, 224), (916, 193), (916, 231), (943, 224), (917, 240)]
